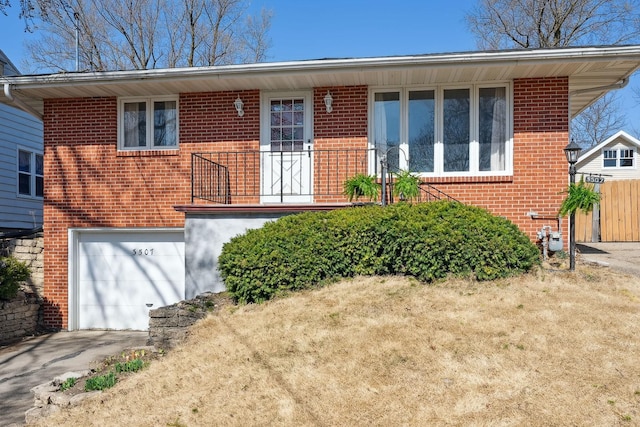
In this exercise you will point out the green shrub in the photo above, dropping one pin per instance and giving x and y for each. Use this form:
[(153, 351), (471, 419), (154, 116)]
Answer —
[(428, 241), (12, 273), (101, 382), (132, 365), (68, 383)]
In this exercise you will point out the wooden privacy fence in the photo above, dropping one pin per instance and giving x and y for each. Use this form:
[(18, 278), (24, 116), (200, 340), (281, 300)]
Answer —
[(619, 214)]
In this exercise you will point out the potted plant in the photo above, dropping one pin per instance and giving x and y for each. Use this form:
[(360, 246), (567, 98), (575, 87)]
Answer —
[(362, 185), (580, 196), (406, 185)]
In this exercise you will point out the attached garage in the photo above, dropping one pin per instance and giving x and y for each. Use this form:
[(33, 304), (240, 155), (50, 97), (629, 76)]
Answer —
[(117, 275)]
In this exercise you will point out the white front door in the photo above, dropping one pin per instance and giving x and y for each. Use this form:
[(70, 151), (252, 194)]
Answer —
[(286, 148)]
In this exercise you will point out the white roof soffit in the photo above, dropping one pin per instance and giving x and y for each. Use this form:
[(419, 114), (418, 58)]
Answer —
[(587, 68)]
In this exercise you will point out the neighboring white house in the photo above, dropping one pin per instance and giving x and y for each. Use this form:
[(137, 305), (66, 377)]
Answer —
[(21, 163), (616, 158)]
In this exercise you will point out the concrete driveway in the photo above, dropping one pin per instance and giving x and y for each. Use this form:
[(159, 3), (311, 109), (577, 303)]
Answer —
[(40, 359), (623, 256)]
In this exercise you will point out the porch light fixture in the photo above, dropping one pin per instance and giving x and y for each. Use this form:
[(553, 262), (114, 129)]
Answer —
[(572, 151), (328, 102), (239, 105)]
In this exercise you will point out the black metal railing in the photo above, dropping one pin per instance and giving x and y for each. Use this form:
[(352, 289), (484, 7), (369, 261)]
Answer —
[(430, 193), (287, 176), (209, 180), (276, 176)]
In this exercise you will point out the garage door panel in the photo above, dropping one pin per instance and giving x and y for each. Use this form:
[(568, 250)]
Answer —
[(121, 275), (105, 291), (118, 317)]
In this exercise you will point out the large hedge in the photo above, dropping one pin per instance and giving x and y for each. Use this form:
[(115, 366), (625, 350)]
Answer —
[(428, 241)]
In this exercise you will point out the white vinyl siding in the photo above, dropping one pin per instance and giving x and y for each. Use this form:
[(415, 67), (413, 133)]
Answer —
[(612, 154), (18, 130)]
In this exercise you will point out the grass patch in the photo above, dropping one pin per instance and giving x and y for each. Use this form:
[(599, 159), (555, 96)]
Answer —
[(101, 382), (390, 351)]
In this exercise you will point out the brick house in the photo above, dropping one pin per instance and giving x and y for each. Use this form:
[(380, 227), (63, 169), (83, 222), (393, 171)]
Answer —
[(149, 172)]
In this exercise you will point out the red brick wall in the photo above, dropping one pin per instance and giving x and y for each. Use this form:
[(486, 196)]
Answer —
[(90, 184), (346, 128)]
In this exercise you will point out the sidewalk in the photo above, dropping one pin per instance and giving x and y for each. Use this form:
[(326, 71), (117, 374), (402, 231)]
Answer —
[(622, 256), (40, 359)]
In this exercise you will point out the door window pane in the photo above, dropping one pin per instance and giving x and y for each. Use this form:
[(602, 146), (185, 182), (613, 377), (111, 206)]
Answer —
[(287, 124), (492, 128), (456, 113), (387, 126), (421, 130)]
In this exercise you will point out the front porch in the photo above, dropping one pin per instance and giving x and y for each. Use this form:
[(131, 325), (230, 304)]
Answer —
[(302, 177), (234, 191)]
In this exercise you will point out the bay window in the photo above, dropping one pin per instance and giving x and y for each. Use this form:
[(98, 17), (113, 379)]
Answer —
[(444, 131), (148, 123)]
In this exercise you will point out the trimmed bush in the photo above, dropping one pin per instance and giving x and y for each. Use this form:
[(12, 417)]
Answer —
[(428, 241), (12, 273)]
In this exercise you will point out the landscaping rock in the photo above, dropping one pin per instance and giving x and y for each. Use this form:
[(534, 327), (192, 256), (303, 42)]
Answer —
[(35, 414), (169, 326)]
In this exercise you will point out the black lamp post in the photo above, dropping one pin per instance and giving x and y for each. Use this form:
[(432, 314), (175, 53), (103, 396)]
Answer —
[(572, 151)]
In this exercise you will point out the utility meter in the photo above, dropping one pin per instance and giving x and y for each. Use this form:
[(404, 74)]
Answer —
[(555, 241)]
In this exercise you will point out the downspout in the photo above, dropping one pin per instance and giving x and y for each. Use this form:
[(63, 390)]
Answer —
[(19, 103)]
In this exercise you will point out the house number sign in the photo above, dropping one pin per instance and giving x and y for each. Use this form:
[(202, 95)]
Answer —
[(594, 179), (143, 252)]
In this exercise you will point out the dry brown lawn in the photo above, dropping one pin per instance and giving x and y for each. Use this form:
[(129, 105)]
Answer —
[(547, 349)]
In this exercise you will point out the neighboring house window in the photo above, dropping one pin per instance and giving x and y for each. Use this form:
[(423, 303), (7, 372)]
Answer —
[(148, 123), (626, 158), (30, 174), (443, 130), (622, 158), (610, 158)]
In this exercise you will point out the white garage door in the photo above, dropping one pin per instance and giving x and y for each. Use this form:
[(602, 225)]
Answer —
[(122, 275)]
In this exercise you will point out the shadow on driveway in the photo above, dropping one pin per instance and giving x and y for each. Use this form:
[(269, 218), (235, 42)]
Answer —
[(38, 360)]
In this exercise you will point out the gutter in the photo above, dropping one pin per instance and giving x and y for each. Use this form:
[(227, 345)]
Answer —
[(619, 85), (464, 59), (19, 103)]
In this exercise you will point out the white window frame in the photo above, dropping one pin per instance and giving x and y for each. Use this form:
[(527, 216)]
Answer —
[(621, 157), (618, 157), (474, 144), (32, 173), (149, 117)]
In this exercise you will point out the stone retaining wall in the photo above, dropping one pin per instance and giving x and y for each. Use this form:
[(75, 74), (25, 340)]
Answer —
[(29, 250), (169, 326), (20, 317)]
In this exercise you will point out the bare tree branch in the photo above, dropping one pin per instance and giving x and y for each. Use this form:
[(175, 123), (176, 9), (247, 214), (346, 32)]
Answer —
[(499, 24), (598, 122), (142, 34)]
